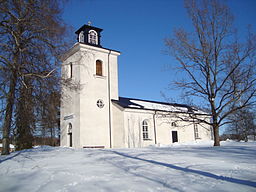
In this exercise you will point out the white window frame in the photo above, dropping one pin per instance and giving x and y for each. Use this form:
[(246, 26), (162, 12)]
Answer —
[(196, 131), (81, 37), (145, 132), (69, 70), (93, 37)]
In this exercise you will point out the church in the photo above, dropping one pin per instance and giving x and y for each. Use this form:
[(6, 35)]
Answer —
[(95, 116)]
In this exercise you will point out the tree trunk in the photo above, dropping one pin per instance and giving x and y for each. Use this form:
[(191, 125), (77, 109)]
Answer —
[(216, 131), (216, 134), (8, 116)]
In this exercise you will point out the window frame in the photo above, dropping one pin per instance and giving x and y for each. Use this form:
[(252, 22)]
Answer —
[(100, 103), (145, 130), (81, 37), (93, 37), (174, 124), (196, 131), (69, 70), (99, 68)]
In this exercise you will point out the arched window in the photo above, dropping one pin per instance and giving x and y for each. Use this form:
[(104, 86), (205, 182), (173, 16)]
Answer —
[(70, 70), (99, 68), (70, 128), (81, 37), (196, 131), (145, 130), (92, 37), (174, 124)]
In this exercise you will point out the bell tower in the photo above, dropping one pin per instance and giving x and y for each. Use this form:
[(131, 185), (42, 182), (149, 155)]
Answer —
[(89, 35), (88, 110)]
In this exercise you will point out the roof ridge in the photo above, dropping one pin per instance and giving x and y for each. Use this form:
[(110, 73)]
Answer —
[(159, 102)]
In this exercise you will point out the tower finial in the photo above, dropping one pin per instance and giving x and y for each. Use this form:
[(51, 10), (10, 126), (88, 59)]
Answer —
[(89, 23)]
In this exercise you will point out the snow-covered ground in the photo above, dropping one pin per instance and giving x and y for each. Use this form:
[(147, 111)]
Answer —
[(200, 167)]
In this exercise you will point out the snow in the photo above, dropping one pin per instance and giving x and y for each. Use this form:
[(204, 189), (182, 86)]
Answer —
[(161, 107), (11, 146), (158, 106), (187, 167)]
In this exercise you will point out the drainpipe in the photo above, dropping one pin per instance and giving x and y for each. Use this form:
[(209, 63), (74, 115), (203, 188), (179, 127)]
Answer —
[(109, 103), (154, 120)]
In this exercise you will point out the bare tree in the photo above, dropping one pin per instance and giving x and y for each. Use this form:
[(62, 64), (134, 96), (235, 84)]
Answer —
[(25, 118), (31, 39), (49, 110), (243, 124), (217, 67)]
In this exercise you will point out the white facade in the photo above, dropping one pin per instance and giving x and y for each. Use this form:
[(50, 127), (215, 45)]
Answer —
[(93, 115)]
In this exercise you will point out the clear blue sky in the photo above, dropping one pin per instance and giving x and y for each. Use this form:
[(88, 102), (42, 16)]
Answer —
[(137, 28)]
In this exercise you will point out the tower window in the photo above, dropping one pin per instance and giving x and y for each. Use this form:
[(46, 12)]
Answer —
[(145, 130), (70, 70), (100, 103), (81, 37), (92, 37), (99, 68)]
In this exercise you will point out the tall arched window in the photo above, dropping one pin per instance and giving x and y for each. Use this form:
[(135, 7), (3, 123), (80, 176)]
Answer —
[(92, 37), (145, 130), (196, 131), (70, 70), (99, 68)]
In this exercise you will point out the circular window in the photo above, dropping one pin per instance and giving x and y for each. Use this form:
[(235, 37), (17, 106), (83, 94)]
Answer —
[(100, 103)]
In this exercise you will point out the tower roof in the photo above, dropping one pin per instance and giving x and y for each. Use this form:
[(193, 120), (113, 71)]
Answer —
[(88, 27), (89, 35)]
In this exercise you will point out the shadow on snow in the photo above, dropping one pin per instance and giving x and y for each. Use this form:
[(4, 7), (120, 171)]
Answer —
[(203, 173)]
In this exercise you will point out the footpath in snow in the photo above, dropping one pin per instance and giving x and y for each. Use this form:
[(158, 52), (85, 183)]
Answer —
[(190, 168)]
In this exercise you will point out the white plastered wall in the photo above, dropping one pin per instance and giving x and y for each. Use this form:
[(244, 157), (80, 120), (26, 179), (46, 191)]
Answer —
[(91, 124), (118, 136), (70, 102), (133, 128), (162, 129), (185, 130), (94, 121)]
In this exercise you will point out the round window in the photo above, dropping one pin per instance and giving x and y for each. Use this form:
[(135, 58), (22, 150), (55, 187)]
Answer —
[(100, 103)]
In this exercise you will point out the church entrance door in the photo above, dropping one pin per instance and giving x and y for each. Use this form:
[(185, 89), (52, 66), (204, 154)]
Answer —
[(174, 136), (70, 134), (70, 139)]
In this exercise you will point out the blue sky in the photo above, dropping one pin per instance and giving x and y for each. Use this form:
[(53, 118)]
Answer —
[(137, 29)]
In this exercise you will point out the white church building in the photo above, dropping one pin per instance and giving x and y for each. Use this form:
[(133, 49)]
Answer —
[(94, 116)]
